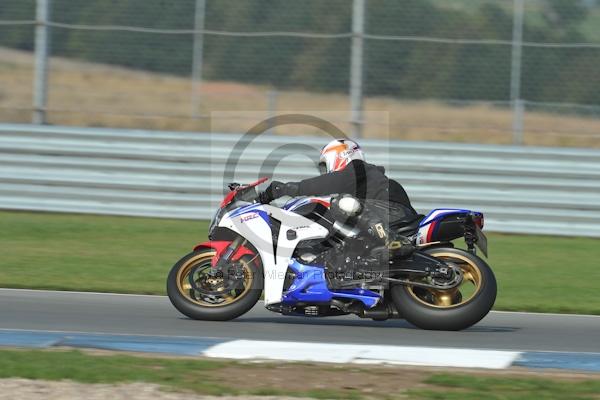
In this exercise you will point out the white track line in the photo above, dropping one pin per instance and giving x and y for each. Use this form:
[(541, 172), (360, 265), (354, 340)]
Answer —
[(224, 339), (362, 354)]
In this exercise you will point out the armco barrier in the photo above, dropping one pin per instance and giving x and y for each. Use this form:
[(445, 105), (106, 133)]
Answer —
[(180, 175)]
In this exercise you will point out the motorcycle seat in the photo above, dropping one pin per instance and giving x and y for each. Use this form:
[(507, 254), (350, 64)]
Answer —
[(407, 227)]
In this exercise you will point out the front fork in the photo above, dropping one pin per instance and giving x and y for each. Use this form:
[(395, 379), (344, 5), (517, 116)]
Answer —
[(227, 254)]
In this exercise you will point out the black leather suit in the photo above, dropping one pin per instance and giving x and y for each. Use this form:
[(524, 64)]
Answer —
[(385, 200)]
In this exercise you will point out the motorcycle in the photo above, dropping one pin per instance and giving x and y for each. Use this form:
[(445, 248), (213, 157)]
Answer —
[(308, 263)]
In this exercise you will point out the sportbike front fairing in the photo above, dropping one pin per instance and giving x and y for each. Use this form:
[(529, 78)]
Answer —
[(310, 262)]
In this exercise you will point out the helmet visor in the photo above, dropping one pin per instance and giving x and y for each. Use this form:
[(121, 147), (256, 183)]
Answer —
[(322, 168)]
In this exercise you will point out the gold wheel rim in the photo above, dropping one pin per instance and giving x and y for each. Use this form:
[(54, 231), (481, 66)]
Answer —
[(204, 262), (454, 297)]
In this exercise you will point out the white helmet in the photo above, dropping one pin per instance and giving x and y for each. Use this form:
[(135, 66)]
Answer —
[(338, 153)]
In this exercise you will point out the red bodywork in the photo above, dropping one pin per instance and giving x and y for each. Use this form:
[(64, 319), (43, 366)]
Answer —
[(220, 246), (231, 195)]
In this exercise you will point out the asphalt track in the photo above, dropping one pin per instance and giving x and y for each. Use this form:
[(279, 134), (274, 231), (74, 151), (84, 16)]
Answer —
[(154, 315)]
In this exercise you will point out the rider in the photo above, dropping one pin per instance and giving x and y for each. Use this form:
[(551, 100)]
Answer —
[(344, 171)]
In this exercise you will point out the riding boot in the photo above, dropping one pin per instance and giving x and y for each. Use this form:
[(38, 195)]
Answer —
[(400, 247)]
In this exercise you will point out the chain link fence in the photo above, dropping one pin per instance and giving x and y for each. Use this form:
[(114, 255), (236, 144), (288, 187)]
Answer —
[(521, 71)]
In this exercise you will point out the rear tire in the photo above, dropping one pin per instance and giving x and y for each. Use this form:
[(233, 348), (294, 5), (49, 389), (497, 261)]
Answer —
[(461, 313), (184, 298)]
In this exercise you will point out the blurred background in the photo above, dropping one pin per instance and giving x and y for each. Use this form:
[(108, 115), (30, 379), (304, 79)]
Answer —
[(482, 71), (133, 107)]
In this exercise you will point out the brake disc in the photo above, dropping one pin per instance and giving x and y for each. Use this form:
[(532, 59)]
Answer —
[(455, 279), (208, 285)]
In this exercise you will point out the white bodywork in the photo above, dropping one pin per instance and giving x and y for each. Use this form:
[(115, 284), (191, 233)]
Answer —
[(257, 231)]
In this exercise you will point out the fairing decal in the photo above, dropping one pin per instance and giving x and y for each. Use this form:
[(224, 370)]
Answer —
[(431, 230), (440, 213), (296, 203), (248, 212)]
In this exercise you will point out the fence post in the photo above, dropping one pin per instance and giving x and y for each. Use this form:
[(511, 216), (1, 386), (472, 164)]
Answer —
[(197, 55), (356, 67), (42, 42), (271, 108), (515, 73)]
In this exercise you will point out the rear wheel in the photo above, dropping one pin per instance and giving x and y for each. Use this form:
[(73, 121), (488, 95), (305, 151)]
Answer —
[(200, 295), (452, 309)]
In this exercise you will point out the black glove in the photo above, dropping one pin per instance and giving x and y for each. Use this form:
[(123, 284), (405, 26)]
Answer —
[(265, 198), (278, 189)]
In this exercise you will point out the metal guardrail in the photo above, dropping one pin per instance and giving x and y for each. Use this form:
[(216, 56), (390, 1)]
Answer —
[(180, 175)]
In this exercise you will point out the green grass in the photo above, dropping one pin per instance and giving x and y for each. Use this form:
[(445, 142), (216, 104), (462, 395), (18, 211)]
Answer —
[(134, 255), (77, 366), (546, 274), (92, 253)]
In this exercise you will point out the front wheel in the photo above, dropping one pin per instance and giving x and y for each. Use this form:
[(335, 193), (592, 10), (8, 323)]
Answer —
[(200, 295), (452, 309)]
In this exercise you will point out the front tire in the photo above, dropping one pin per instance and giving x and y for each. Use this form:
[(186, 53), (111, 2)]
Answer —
[(223, 307), (455, 309)]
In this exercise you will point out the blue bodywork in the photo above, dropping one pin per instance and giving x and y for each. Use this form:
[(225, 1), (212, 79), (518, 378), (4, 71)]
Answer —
[(290, 205), (310, 286)]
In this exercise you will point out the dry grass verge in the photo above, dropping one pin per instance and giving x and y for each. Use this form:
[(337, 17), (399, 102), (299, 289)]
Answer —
[(88, 94)]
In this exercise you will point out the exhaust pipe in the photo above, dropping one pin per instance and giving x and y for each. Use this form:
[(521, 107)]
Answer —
[(380, 312)]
